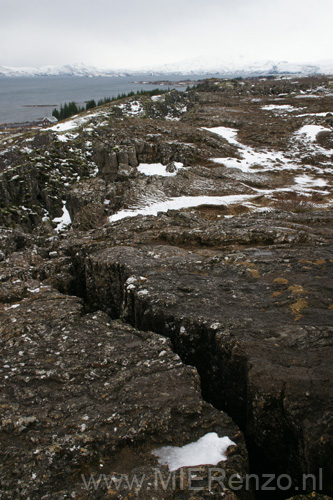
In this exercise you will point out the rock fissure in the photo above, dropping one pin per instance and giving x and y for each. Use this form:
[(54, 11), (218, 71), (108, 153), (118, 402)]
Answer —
[(146, 293), (224, 361)]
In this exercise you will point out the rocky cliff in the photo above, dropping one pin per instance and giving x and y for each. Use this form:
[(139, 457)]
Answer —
[(166, 274)]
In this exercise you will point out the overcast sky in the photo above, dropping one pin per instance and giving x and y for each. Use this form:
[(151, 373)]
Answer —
[(135, 33)]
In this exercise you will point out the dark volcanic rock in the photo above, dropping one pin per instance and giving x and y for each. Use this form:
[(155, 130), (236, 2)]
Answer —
[(262, 338), (238, 285), (83, 395), (311, 496)]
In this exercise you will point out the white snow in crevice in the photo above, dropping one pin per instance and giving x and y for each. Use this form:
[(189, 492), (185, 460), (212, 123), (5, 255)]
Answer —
[(64, 220), (179, 203), (208, 450), (158, 169)]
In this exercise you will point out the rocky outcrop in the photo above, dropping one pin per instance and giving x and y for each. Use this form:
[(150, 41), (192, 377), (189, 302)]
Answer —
[(35, 187), (262, 312), (82, 395)]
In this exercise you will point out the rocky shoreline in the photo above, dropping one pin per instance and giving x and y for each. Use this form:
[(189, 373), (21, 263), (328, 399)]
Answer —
[(191, 294)]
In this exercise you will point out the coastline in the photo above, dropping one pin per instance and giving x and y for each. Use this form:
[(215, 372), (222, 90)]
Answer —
[(4, 127)]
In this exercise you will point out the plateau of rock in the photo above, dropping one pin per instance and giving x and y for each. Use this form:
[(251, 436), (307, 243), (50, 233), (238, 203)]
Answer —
[(166, 274)]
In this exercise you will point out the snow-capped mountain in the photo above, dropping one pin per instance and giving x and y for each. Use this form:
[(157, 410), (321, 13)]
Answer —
[(238, 66), (199, 65), (68, 70)]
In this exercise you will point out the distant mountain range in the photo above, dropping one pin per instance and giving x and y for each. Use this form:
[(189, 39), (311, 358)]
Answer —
[(68, 70), (200, 65), (239, 66)]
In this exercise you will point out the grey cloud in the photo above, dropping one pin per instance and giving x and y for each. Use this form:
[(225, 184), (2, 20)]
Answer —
[(115, 33)]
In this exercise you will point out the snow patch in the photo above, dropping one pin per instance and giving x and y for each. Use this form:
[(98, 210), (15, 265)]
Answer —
[(64, 220), (209, 449), (27, 150), (262, 160), (132, 108), (227, 133), (179, 203), (251, 160), (67, 137), (324, 113), (158, 169), (306, 96), (279, 107), (14, 306), (311, 131), (157, 98), (75, 122), (307, 181), (68, 125)]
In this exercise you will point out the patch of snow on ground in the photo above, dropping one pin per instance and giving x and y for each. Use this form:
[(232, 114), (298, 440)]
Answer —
[(306, 96), (170, 117), (307, 181), (324, 113), (279, 107), (256, 161), (27, 150), (157, 98), (132, 108), (209, 449), (179, 203), (158, 169), (68, 125), (14, 306), (261, 161), (311, 131), (227, 133), (64, 220), (75, 122), (182, 109), (136, 108), (252, 161), (67, 137)]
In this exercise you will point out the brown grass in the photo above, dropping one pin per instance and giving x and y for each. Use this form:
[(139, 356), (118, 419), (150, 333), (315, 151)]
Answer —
[(294, 202)]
